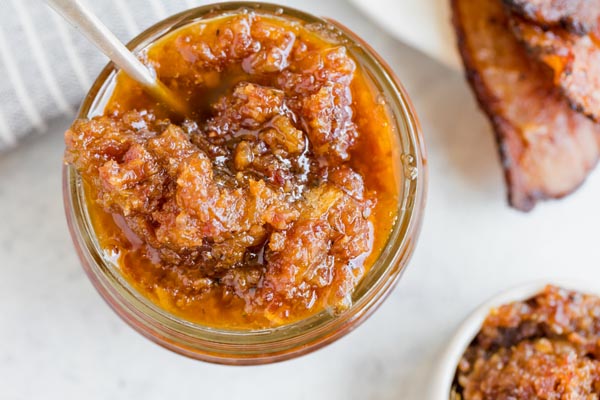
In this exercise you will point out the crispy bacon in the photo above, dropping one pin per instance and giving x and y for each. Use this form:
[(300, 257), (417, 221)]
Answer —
[(577, 16), (547, 149), (574, 61)]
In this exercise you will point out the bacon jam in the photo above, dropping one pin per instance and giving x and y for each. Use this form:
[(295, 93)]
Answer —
[(547, 347), (270, 201)]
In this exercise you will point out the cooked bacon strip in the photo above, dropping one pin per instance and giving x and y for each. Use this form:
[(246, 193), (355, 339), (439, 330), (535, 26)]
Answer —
[(577, 16), (547, 149), (574, 60)]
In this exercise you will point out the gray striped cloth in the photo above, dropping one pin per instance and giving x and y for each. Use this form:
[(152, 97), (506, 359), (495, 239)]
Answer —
[(46, 67)]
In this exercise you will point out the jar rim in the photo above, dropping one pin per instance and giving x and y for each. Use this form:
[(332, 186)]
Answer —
[(287, 341)]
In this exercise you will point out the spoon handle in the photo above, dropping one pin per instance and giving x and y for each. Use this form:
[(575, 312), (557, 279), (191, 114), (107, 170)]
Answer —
[(97, 33)]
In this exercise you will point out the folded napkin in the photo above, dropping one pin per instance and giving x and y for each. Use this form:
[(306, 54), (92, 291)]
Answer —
[(423, 24), (47, 67)]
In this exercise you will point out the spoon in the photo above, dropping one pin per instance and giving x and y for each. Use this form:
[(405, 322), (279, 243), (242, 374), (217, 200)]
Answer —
[(97, 33)]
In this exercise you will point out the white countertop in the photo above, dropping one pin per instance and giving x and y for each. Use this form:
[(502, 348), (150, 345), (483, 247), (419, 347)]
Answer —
[(59, 340)]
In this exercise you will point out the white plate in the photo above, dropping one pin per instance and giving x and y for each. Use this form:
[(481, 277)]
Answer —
[(422, 24)]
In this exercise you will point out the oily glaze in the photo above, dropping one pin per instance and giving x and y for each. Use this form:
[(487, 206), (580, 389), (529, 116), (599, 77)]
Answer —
[(268, 203)]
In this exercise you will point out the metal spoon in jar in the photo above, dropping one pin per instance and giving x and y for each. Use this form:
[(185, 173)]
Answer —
[(97, 33)]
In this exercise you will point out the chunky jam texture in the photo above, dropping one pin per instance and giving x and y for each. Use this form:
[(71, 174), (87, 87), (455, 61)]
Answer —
[(547, 347), (268, 203)]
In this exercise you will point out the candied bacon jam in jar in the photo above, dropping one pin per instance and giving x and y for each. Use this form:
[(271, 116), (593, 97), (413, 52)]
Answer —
[(271, 219)]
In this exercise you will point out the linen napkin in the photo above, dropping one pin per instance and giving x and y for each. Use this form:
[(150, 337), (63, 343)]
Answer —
[(46, 66)]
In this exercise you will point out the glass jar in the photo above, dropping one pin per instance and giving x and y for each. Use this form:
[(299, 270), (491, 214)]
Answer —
[(276, 344)]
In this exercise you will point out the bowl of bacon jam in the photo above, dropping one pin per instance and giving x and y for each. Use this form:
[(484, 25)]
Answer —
[(272, 219), (532, 342)]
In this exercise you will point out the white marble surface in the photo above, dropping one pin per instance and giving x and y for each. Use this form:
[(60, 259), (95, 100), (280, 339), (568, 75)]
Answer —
[(58, 340)]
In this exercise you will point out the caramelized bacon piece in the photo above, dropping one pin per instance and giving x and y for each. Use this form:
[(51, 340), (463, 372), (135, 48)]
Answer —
[(547, 149), (577, 16), (574, 60)]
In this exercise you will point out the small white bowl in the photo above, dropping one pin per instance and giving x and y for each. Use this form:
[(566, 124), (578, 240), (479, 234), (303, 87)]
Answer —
[(444, 372)]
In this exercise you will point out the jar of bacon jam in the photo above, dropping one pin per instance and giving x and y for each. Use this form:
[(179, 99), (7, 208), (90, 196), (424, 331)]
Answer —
[(273, 218)]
